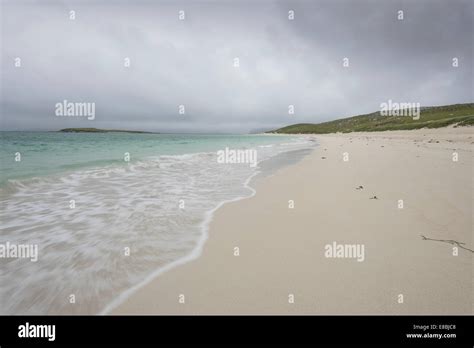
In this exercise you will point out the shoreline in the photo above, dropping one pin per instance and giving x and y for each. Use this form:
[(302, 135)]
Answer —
[(216, 263), (197, 251), (194, 254)]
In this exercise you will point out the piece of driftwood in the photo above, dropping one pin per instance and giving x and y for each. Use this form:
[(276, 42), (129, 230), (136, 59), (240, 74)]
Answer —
[(450, 241)]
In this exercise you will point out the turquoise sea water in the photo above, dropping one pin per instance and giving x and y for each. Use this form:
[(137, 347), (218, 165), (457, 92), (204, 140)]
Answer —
[(45, 153), (75, 198)]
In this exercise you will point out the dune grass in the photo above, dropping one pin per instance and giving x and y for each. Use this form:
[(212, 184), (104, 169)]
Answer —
[(430, 117)]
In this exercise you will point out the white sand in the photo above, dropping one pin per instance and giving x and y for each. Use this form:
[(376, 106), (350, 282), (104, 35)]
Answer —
[(282, 249)]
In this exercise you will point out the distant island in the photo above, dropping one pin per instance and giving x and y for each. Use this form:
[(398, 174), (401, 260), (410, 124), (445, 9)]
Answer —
[(97, 130), (429, 117)]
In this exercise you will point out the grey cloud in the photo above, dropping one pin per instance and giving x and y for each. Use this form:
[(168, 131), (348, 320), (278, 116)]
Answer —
[(190, 62)]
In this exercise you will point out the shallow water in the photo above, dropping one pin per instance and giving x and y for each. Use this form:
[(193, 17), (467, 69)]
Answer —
[(129, 218)]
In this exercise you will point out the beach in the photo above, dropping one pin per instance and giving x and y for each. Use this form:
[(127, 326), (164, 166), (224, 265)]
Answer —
[(90, 215), (388, 192)]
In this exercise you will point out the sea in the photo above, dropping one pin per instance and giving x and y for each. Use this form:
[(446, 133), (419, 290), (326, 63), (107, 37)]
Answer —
[(108, 212)]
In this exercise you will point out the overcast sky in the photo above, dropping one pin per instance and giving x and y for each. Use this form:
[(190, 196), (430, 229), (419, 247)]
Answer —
[(190, 62)]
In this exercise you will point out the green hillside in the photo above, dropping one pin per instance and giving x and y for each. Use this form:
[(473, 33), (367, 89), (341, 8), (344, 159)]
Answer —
[(430, 117)]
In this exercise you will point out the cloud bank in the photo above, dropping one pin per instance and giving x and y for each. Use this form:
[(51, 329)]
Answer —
[(191, 62)]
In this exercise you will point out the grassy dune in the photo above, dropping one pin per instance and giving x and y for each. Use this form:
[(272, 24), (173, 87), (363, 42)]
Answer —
[(430, 117)]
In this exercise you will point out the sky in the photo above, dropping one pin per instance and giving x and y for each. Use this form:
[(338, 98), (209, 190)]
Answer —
[(191, 61)]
